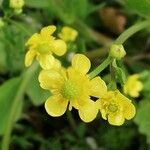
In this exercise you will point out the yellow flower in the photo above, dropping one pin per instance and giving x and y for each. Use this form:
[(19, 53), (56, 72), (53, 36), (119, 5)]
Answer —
[(72, 87), (115, 108), (42, 45), (133, 86), (68, 34)]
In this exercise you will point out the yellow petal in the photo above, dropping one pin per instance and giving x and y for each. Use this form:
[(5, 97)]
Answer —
[(46, 61), (68, 34), (98, 87), (134, 93), (73, 103), (50, 79), (59, 47), (33, 39), (116, 119), (103, 113), (88, 111), (56, 106), (47, 31), (139, 85), (29, 57), (81, 63), (129, 110)]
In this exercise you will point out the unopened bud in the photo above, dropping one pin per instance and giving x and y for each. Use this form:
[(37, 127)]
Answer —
[(16, 4), (117, 51)]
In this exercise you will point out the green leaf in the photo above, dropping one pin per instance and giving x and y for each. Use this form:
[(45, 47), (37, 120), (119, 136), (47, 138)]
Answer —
[(8, 92), (145, 78), (119, 73), (36, 94), (142, 118), (141, 7)]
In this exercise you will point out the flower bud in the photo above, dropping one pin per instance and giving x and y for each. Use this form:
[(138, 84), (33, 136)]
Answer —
[(117, 51), (16, 4)]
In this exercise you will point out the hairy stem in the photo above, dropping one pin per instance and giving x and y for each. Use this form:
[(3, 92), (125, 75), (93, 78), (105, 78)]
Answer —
[(101, 67), (130, 31)]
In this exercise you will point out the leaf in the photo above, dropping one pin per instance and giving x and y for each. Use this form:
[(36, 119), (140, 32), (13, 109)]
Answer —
[(142, 118), (141, 7), (145, 78), (8, 92), (36, 94), (119, 73)]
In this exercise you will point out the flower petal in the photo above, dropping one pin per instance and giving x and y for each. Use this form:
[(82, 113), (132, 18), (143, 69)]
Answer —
[(56, 106), (68, 34), (33, 39), (50, 79), (73, 103), (98, 87), (116, 119), (88, 111), (129, 110), (46, 61), (47, 31), (59, 47), (81, 63), (29, 57)]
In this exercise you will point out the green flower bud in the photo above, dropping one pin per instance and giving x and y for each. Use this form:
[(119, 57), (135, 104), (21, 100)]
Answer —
[(16, 4), (117, 51)]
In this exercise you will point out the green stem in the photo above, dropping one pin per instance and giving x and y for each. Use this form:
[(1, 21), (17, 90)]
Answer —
[(130, 31), (71, 120), (9, 125), (101, 67)]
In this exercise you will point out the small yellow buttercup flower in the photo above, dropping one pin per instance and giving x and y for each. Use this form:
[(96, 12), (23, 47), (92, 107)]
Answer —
[(115, 108), (133, 86), (72, 87), (68, 34), (42, 45)]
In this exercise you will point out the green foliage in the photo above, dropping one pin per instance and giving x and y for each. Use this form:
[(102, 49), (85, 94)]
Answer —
[(38, 4), (3, 62), (119, 73), (145, 77), (7, 96), (142, 118), (140, 7), (117, 138), (36, 94)]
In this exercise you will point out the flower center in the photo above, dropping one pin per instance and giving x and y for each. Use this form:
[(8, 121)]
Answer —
[(71, 90), (43, 48), (112, 107)]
